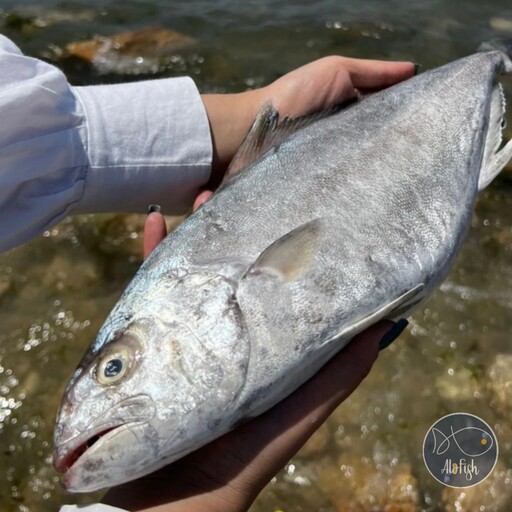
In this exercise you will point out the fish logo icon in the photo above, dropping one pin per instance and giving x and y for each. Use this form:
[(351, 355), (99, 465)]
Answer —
[(460, 450), (463, 438)]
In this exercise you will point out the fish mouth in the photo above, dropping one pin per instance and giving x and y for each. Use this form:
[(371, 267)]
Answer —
[(65, 457), (137, 411)]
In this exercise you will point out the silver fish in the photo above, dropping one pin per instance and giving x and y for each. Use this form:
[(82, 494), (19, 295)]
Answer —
[(336, 222)]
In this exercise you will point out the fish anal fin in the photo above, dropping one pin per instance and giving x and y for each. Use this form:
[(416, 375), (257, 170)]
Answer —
[(291, 256), (400, 305)]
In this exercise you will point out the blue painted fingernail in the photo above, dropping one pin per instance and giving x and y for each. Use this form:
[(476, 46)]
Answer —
[(393, 333), (416, 68), (154, 208)]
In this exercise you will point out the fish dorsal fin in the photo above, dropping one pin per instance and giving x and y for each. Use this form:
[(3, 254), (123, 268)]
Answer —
[(395, 309), (256, 140), (267, 132), (291, 256), (494, 159)]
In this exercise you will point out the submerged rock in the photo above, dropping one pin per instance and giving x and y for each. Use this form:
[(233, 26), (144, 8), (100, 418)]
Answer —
[(501, 24), (457, 384), (357, 485), (121, 235), (5, 285), (499, 384), (403, 495), (25, 18), (144, 51), (64, 274), (492, 495), (19, 22)]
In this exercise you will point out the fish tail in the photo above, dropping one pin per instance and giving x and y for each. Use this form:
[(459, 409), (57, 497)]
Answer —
[(504, 46)]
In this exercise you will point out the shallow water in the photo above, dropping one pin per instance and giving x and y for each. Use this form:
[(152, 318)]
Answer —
[(56, 291)]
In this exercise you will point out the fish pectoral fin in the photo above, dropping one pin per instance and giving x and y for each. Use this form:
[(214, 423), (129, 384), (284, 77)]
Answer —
[(267, 132), (291, 256), (493, 160), (394, 309)]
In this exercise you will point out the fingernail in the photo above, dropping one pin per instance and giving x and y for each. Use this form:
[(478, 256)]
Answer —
[(416, 68), (154, 208), (393, 333)]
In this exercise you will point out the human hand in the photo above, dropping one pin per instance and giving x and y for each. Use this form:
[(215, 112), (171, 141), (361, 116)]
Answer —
[(318, 85)]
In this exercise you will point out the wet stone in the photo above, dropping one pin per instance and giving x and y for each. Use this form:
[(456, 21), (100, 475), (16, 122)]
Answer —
[(338, 483), (457, 384), (122, 234), (30, 383), (5, 285), (282, 495), (26, 18), (501, 24), (492, 495), (499, 384), (357, 485), (62, 273), (131, 52), (20, 22), (403, 492)]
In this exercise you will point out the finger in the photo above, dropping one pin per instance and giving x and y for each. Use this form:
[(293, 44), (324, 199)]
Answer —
[(155, 231), (334, 80), (377, 74), (201, 198)]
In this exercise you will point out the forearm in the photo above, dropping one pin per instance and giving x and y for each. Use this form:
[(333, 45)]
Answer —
[(230, 117), (147, 142), (111, 148)]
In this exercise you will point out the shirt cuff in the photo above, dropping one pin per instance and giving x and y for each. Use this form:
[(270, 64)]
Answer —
[(147, 142)]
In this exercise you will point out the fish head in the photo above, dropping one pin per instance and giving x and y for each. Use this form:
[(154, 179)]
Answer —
[(153, 385)]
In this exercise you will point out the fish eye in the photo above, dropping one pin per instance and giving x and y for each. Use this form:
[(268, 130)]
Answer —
[(113, 366)]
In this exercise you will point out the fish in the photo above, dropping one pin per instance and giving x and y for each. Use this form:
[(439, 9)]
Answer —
[(325, 225)]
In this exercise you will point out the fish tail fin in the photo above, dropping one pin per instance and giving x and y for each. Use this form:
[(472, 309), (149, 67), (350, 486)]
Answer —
[(495, 159), (495, 166), (503, 45)]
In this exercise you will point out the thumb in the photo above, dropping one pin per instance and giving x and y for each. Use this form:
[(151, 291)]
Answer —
[(155, 231)]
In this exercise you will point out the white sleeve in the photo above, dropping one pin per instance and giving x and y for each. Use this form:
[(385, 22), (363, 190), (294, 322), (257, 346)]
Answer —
[(96, 507), (106, 148)]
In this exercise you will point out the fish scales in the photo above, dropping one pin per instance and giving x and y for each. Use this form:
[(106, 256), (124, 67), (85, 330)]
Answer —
[(353, 218)]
